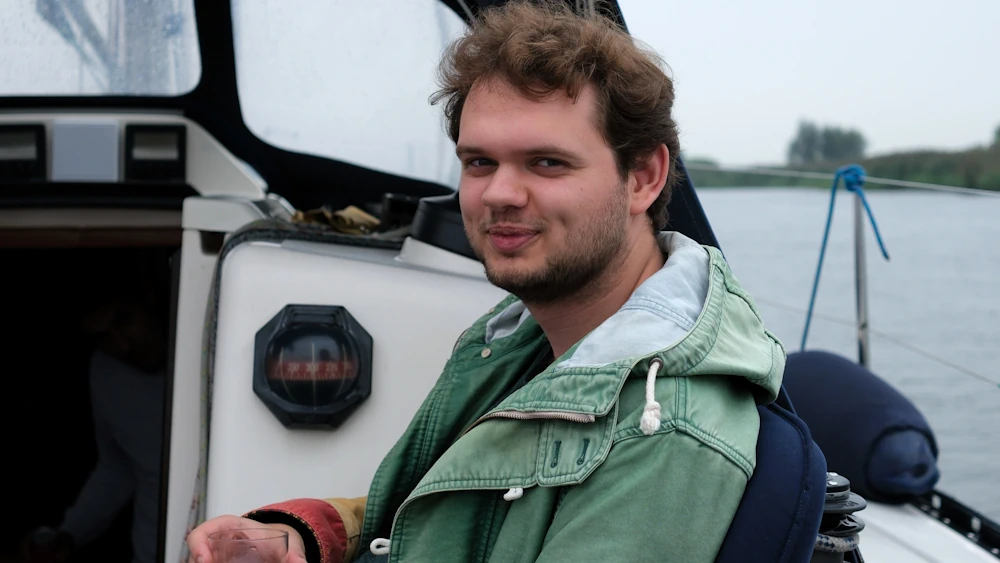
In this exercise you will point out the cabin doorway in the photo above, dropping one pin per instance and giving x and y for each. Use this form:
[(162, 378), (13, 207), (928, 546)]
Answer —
[(87, 358)]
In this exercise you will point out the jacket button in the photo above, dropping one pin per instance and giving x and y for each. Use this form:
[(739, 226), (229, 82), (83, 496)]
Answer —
[(485, 353)]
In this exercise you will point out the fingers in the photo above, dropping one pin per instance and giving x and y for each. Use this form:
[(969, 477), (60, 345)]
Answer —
[(198, 549), (237, 529), (197, 540), (296, 548)]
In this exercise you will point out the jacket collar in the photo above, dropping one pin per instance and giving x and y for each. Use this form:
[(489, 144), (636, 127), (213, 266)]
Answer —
[(663, 312)]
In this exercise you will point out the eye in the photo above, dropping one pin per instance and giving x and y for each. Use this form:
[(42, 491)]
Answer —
[(478, 162), (549, 163)]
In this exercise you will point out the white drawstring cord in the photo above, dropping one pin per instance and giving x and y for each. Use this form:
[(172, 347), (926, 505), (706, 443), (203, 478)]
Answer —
[(513, 494), (650, 421), (379, 546)]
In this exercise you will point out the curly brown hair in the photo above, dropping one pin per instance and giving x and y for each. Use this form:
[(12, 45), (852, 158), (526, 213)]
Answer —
[(539, 47)]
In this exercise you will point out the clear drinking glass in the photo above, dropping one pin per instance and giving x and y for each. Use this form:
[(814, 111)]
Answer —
[(249, 545)]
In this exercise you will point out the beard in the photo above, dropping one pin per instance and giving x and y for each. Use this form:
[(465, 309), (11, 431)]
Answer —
[(594, 248)]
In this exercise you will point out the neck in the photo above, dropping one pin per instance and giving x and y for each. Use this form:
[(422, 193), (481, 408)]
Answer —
[(567, 321)]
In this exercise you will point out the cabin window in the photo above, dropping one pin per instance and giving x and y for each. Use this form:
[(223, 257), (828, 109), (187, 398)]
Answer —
[(98, 47), (348, 80)]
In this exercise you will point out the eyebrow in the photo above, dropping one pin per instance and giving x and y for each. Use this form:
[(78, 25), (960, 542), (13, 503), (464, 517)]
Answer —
[(540, 150), (467, 149)]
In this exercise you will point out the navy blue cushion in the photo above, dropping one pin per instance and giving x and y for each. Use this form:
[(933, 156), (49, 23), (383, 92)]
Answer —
[(778, 518), (870, 433)]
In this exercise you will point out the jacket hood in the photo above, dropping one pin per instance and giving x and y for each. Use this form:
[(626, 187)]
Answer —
[(692, 316)]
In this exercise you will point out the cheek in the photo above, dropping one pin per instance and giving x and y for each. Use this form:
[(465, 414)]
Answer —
[(471, 201), (469, 198), (570, 209)]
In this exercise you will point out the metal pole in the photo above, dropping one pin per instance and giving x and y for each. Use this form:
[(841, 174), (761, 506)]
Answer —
[(861, 281)]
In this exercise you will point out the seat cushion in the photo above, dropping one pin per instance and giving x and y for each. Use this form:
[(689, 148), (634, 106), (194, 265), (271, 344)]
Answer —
[(780, 513), (869, 432)]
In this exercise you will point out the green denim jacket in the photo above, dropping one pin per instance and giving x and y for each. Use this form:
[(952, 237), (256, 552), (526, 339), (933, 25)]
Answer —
[(564, 469)]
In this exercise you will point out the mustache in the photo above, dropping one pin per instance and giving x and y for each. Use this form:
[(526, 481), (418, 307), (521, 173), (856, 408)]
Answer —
[(511, 220)]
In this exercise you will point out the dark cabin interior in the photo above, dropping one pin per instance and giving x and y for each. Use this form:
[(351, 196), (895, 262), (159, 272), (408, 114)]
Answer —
[(49, 420)]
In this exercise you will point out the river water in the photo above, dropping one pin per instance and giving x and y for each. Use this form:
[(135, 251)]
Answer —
[(939, 293)]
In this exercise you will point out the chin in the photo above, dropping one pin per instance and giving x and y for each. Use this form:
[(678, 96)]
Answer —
[(506, 263), (507, 276)]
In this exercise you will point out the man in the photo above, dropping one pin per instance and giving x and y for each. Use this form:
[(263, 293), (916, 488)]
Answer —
[(605, 411), (127, 384)]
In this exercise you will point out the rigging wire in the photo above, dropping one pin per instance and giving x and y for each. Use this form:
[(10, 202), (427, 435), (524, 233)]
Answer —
[(870, 180), (887, 337), (827, 176), (854, 179)]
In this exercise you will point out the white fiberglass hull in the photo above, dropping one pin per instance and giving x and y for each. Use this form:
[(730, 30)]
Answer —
[(904, 533)]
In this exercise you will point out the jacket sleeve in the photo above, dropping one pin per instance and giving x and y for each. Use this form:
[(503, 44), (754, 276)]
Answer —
[(330, 528), (666, 497)]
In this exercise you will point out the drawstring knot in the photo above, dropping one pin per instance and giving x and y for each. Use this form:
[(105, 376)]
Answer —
[(379, 546), (651, 414), (513, 494)]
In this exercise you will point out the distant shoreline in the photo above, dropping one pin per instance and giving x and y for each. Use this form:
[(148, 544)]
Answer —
[(868, 188), (977, 169)]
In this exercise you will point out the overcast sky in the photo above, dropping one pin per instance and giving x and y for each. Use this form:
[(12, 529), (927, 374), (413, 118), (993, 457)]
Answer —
[(908, 74)]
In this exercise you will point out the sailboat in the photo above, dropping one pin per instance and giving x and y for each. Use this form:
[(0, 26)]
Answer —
[(312, 300)]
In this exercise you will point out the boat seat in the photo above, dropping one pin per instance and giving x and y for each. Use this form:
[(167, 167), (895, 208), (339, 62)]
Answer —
[(869, 432), (779, 516)]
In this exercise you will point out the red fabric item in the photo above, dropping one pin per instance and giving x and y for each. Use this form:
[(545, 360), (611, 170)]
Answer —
[(318, 517)]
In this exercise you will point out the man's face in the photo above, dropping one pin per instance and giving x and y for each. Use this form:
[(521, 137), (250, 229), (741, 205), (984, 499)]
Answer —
[(544, 206)]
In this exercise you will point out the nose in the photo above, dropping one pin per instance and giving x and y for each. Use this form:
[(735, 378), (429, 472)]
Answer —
[(506, 188)]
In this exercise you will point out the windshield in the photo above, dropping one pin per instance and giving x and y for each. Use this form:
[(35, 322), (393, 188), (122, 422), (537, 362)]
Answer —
[(98, 47), (348, 80)]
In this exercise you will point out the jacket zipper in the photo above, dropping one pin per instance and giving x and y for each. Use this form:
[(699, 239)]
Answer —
[(517, 415)]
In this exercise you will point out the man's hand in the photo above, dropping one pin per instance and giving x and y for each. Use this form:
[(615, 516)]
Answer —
[(45, 545), (201, 551)]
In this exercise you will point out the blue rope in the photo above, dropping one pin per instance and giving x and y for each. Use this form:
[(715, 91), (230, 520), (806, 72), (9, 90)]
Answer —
[(854, 180)]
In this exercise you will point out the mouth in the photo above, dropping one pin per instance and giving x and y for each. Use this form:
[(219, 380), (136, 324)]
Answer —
[(508, 240)]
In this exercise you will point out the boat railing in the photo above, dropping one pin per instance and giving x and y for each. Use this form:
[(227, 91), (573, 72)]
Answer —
[(860, 323), (974, 525)]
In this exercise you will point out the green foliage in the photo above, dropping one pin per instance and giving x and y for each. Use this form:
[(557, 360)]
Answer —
[(805, 147), (813, 144), (698, 160), (703, 178), (977, 168)]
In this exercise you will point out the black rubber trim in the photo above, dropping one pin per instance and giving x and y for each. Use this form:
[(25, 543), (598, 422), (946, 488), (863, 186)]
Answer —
[(608, 8), (82, 194), (959, 517), (273, 230), (168, 408)]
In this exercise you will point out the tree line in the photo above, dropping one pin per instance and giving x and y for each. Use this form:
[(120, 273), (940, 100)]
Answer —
[(813, 144), (817, 148)]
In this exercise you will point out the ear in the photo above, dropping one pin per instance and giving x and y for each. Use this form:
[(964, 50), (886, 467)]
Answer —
[(647, 179)]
